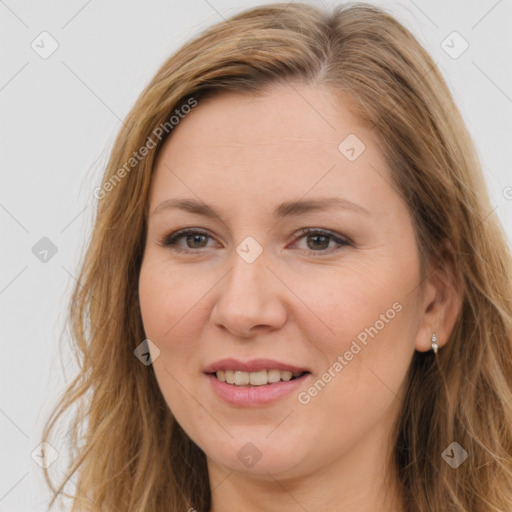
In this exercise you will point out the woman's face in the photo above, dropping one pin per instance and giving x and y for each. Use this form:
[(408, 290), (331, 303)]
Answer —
[(252, 296)]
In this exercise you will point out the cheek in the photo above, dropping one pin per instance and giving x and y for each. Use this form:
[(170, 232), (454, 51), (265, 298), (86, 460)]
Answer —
[(154, 298), (168, 298), (359, 303), (366, 359), (372, 316), (168, 303)]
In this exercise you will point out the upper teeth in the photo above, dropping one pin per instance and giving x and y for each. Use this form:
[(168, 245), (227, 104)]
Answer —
[(260, 378)]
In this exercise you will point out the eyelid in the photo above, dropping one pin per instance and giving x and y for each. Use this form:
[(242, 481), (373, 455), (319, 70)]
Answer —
[(341, 242), (168, 240), (342, 239)]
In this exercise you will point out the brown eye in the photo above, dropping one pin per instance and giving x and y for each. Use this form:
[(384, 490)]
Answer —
[(318, 240), (193, 240)]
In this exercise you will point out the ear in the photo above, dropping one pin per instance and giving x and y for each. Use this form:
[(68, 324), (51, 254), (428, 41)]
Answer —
[(441, 302)]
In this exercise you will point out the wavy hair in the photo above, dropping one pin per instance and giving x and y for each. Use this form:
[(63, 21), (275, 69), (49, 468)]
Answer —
[(127, 452)]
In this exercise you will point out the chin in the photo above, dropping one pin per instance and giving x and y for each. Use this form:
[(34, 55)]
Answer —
[(257, 456)]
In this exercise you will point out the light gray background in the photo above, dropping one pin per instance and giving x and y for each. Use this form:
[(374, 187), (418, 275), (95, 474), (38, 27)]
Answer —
[(59, 117)]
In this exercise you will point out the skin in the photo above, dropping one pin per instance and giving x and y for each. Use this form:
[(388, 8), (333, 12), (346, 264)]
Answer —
[(302, 301)]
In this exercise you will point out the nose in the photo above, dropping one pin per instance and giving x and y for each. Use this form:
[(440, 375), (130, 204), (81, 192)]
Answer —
[(249, 299)]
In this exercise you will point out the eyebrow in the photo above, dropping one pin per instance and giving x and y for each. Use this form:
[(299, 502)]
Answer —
[(288, 208)]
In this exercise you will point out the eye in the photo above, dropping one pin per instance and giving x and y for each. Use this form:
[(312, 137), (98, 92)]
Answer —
[(194, 239), (318, 240)]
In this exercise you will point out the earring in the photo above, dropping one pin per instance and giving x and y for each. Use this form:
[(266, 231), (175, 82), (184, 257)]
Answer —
[(434, 343)]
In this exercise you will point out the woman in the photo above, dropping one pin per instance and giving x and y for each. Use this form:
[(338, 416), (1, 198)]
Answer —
[(294, 297)]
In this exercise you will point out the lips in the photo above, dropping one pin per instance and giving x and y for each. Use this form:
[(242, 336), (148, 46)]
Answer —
[(254, 383), (254, 365), (258, 372)]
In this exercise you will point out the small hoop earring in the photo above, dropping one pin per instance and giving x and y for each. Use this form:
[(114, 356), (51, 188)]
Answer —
[(435, 346)]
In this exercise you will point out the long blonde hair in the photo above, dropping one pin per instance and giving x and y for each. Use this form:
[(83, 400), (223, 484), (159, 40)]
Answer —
[(127, 452)]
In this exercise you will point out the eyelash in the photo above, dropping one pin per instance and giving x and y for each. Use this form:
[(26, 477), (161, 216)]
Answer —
[(170, 241)]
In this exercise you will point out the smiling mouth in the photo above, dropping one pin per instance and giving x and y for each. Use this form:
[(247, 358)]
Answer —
[(259, 378)]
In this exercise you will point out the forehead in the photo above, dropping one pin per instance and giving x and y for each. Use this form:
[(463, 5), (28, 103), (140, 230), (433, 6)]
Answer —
[(286, 142), (284, 114)]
